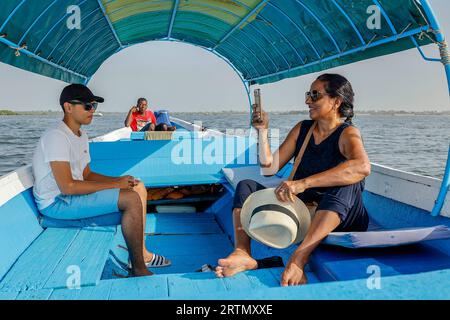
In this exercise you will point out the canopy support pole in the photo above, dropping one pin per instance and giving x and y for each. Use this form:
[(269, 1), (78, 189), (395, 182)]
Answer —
[(445, 58), (102, 7), (172, 18)]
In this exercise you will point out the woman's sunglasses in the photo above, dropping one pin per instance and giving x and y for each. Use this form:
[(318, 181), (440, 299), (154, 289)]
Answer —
[(314, 95), (88, 106)]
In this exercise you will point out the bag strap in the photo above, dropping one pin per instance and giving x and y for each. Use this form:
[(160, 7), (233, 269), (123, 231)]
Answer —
[(302, 151)]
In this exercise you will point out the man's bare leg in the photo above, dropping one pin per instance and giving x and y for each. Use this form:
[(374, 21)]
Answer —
[(240, 259), (132, 229), (142, 191), (322, 224)]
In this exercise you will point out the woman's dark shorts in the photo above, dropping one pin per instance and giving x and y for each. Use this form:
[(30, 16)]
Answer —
[(345, 201)]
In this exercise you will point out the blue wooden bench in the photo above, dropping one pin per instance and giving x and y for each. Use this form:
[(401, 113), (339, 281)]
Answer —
[(37, 258)]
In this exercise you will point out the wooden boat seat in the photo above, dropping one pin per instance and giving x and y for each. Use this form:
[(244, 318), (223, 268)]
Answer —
[(337, 263), (56, 255)]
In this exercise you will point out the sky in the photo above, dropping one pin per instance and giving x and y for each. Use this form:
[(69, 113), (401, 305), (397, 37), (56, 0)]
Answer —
[(181, 77)]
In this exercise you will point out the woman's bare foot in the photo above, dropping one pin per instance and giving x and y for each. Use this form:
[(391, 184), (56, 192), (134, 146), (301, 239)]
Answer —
[(236, 262), (293, 275), (141, 272)]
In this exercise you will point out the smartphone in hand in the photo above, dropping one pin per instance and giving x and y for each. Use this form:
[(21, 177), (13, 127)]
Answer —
[(257, 107)]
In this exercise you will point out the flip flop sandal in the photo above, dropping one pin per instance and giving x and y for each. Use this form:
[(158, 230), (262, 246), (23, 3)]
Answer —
[(157, 261)]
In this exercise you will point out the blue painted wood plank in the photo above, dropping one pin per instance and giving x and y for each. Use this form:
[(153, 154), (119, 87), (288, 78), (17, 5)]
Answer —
[(141, 288), (98, 292), (311, 276), (19, 227), (332, 263), (263, 278), (184, 215), (88, 253), (182, 227), (176, 245), (11, 295), (189, 286), (190, 263), (43, 294), (45, 252)]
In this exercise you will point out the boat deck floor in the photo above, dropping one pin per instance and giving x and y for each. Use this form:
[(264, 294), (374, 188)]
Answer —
[(190, 240)]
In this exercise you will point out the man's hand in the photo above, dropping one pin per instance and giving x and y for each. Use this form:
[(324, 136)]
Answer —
[(133, 109), (127, 182), (288, 189)]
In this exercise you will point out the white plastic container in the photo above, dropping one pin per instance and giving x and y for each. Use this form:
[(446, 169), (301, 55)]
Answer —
[(175, 209)]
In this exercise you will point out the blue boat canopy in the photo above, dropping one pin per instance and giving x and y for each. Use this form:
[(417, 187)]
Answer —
[(263, 40)]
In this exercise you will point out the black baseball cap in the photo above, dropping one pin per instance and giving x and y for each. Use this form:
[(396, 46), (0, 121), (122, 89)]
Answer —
[(78, 92)]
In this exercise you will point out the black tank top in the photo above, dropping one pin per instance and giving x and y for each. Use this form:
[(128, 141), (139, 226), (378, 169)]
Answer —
[(321, 157)]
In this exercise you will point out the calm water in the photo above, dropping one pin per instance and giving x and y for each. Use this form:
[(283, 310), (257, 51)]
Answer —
[(412, 143)]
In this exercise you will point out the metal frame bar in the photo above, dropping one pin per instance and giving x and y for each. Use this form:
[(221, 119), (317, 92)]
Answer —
[(244, 20), (422, 53), (172, 18), (54, 26), (68, 32), (434, 23), (349, 19), (311, 13), (12, 15), (35, 21), (102, 7), (251, 51), (297, 27), (361, 48), (254, 27), (385, 15), (32, 55)]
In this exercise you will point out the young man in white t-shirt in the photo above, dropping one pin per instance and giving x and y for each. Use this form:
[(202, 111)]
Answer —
[(65, 187)]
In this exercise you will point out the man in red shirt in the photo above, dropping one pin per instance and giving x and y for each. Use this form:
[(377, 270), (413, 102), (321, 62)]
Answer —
[(138, 117)]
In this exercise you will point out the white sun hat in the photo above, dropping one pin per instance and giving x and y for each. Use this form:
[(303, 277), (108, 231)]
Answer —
[(272, 222)]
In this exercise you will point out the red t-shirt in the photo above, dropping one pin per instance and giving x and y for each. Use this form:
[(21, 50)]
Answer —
[(138, 121)]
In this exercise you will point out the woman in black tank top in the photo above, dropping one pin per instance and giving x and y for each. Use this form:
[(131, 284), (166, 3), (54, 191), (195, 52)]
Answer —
[(331, 175)]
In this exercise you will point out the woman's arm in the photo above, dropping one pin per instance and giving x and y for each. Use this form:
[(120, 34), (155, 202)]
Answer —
[(355, 169), (272, 163)]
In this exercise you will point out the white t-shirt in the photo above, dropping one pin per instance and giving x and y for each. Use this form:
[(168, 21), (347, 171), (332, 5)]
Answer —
[(58, 144)]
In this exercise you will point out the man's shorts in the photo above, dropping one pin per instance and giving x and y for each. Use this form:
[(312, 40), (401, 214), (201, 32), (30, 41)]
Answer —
[(95, 209)]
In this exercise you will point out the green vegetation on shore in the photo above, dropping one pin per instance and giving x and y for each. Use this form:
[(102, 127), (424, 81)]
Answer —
[(293, 112), (8, 113)]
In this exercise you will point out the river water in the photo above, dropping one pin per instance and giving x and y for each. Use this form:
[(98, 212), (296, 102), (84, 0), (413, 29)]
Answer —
[(411, 143)]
